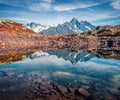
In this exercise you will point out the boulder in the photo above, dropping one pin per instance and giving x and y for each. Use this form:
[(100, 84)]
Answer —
[(61, 89), (83, 92)]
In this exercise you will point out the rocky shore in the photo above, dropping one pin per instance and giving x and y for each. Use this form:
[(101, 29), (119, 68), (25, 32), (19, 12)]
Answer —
[(43, 42)]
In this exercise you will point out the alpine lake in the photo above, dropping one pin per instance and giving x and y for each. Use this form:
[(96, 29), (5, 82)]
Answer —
[(60, 75)]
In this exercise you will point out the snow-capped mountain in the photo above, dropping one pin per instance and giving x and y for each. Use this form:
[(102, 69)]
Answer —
[(73, 57), (36, 27), (74, 26)]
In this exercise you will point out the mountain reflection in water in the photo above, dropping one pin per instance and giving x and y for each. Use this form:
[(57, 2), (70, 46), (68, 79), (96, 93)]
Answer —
[(60, 74)]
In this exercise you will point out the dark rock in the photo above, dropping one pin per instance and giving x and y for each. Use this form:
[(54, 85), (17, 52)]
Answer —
[(55, 97), (83, 92), (61, 89), (38, 80), (71, 90), (110, 98), (80, 98), (43, 88), (70, 96)]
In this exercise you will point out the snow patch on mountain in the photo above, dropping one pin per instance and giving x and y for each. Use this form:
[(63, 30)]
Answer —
[(36, 27)]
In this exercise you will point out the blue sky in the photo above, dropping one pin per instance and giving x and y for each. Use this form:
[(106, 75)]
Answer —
[(53, 12)]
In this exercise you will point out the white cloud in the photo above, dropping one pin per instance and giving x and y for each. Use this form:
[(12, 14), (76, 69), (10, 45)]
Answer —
[(45, 5), (48, 1), (116, 4), (67, 7)]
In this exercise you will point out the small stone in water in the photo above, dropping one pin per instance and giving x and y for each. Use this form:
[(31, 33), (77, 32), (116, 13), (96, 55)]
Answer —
[(83, 92), (61, 89)]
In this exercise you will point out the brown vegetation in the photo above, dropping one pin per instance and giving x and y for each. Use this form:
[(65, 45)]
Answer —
[(104, 31), (14, 28)]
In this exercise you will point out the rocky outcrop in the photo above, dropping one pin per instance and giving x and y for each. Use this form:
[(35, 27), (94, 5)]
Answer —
[(52, 91), (104, 31), (45, 42)]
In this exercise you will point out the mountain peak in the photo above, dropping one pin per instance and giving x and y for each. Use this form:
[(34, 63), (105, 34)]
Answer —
[(36, 27), (74, 19), (32, 22)]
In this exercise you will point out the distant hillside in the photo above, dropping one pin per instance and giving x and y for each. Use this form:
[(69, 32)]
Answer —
[(10, 27), (105, 31)]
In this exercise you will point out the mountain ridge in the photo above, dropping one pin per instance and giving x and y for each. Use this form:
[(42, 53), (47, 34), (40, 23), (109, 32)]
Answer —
[(71, 27)]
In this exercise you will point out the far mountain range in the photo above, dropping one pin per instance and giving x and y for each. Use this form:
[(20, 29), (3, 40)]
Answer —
[(74, 26)]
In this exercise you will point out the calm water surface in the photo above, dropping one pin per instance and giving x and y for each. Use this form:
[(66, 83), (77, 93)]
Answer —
[(99, 76)]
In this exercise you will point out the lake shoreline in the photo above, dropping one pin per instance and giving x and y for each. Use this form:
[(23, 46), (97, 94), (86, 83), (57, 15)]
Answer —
[(21, 41)]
